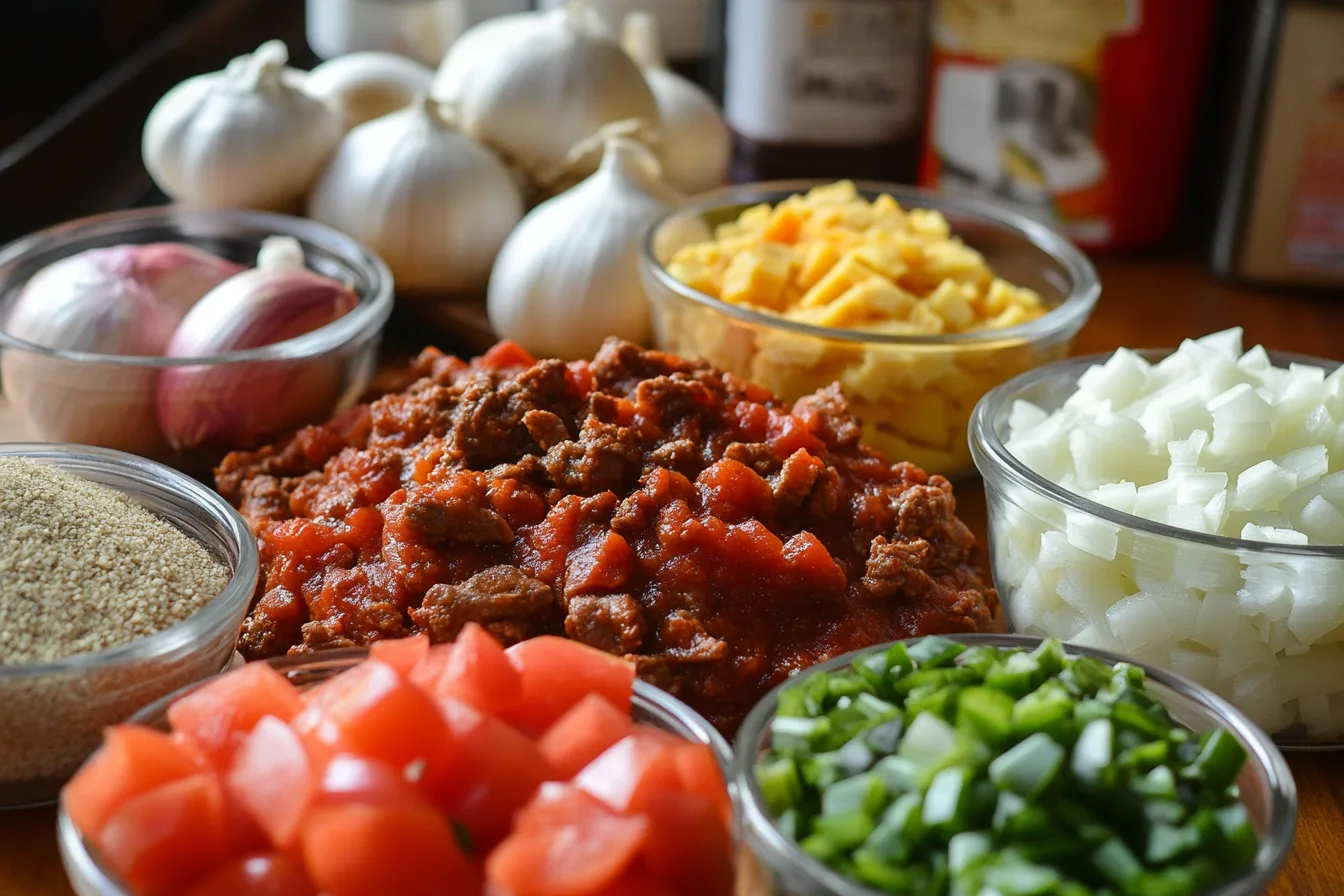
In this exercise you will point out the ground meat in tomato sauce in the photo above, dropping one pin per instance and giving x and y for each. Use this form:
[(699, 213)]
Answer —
[(646, 505)]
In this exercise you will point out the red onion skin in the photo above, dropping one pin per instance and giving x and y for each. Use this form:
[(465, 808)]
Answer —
[(241, 404)]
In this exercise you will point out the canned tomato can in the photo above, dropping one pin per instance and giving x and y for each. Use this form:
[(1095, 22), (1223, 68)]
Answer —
[(1079, 113)]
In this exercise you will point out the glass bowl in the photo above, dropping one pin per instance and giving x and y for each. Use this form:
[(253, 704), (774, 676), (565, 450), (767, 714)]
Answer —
[(1035, 527), (111, 400), (52, 715), (648, 704), (914, 394), (1266, 782)]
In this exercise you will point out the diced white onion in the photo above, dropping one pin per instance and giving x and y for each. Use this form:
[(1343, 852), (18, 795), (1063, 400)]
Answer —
[(1214, 440)]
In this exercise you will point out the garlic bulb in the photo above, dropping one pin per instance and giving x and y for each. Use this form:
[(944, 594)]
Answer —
[(568, 276), (241, 403), (432, 202), (476, 44), (247, 137), (122, 300), (365, 86), (535, 95), (696, 147)]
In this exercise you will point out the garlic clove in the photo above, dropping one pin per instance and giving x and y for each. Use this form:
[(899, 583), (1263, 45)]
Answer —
[(534, 99), (696, 146), (365, 86), (568, 276), (242, 403), (432, 202), (250, 136)]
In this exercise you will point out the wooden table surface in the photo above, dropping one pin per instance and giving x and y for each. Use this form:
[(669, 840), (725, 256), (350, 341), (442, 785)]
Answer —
[(1144, 303)]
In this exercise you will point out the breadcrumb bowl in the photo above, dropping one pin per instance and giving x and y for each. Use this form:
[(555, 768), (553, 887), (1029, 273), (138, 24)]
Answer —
[(52, 714)]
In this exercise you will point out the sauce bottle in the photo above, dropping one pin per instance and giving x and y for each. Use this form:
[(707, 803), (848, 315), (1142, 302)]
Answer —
[(824, 88)]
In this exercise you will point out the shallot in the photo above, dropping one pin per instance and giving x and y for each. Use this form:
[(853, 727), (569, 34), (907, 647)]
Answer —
[(120, 300), (241, 402)]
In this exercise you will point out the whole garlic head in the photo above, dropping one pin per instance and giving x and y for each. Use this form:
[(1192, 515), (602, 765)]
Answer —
[(568, 276), (250, 136), (533, 96), (696, 147), (365, 86), (431, 201)]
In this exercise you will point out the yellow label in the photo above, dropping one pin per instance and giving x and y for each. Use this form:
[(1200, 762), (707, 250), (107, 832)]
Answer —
[(1065, 32)]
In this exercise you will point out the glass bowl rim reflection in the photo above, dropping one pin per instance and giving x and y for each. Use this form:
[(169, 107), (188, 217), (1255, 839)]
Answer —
[(655, 701), (1262, 756), (994, 460), (370, 314), (1067, 317), (129, 469)]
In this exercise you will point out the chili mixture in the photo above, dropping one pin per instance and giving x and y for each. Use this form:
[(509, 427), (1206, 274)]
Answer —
[(643, 504)]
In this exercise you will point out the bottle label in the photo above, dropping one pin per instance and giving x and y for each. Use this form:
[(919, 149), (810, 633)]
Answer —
[(828, 72)]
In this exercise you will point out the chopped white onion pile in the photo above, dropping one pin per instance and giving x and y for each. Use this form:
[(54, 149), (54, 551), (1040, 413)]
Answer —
[(1210, 440)]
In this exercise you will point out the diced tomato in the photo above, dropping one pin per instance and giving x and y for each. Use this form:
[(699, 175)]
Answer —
[(273, 778), (626, 773), (162, 840), (499, 772), (557, 673), (427, 671), (259, 874), (639, 881), (581, 858), (601, 564), (556, 805), (731, 490), (504, 354), (479, 673), (810, 562), (373, 711), (401, 654), (689, 843), (220, 714), (582, 734), (132, 760), (355, 850), (700, 774), (354, 779), (245, 835)]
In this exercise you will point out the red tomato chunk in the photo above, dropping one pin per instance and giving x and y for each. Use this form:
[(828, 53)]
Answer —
[(454, 769)]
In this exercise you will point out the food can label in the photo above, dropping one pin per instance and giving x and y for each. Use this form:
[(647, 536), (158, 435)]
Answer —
[(828, 72), (1023, 96), (1316, 231)]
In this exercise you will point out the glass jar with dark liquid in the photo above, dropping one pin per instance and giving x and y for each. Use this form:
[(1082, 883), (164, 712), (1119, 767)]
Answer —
[(825, 88)]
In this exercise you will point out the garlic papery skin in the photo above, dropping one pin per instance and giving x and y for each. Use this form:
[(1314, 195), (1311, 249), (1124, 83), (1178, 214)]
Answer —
[(568, 277), (534, 98), (365, 86), (478, 43), (250, 136), (696, 147), (434, 203), (120, 300), (240, 403)]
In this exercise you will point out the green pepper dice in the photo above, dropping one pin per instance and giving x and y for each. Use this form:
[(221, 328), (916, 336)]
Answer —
[(933, 768)]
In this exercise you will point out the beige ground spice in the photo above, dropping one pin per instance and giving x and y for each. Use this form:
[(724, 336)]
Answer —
[(85, 568)]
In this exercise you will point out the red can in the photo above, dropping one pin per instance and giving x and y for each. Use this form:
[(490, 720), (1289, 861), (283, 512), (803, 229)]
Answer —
[(1076, 112)]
